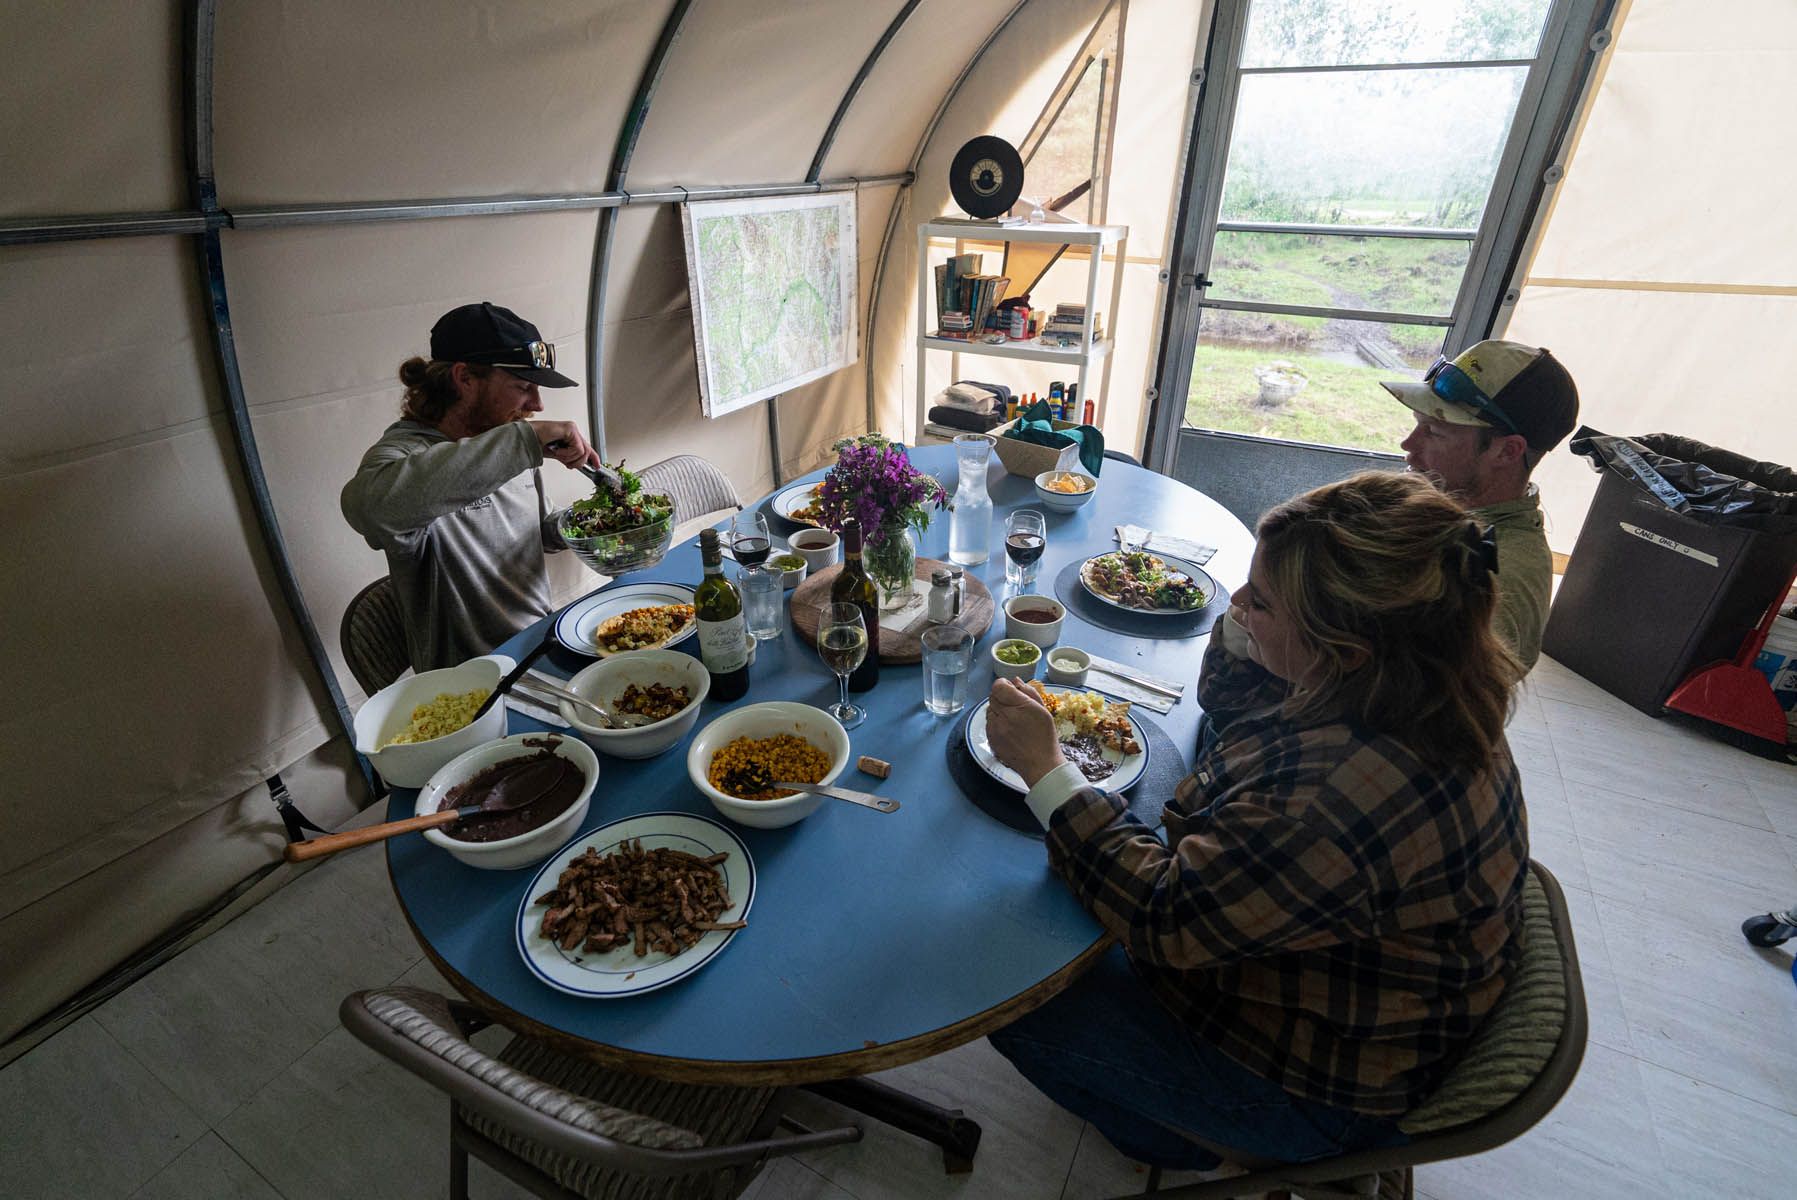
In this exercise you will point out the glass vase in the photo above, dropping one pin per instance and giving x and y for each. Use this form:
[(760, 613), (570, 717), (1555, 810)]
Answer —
[(892, 565)]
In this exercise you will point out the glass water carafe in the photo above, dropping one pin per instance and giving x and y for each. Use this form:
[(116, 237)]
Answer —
[(970, 525)]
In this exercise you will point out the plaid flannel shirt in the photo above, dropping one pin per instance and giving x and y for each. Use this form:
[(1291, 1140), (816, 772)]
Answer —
[(1327, 910)]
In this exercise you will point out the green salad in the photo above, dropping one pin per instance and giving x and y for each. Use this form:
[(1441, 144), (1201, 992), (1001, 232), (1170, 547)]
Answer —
[(612, 510)]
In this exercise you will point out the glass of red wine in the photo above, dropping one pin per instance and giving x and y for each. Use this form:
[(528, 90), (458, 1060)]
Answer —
[(1026, 537), (749, 540)]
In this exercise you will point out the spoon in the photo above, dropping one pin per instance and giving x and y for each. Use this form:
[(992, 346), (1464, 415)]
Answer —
[(500, 800), (883, 804)]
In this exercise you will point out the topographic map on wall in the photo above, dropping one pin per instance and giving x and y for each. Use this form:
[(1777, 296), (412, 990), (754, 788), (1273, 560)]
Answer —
[(773, 293)]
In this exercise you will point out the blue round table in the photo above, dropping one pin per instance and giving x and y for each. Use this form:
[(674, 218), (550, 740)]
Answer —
[(874, 940)]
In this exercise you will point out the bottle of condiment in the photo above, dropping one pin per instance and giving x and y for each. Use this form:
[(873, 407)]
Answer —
[(854, 586), (945, 601), (1072, 400), (723, 633), (1090, 414)]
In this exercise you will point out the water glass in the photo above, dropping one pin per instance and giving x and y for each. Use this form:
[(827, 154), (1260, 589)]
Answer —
[(763, 590), (947, 653)]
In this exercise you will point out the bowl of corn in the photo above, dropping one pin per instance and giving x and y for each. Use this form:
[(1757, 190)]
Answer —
[(732, 760)]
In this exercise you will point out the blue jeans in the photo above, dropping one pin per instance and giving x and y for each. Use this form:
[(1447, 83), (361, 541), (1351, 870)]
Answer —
[(1107, 1051)]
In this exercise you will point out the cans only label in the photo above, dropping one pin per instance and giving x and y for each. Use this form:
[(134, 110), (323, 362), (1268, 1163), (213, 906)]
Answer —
[(1666, 543)]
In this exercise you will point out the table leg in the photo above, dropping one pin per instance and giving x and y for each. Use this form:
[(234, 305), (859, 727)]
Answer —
[(949, 1128)]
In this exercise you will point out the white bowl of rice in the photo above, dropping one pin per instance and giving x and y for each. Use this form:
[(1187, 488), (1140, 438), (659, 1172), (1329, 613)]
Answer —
[(413, 726)]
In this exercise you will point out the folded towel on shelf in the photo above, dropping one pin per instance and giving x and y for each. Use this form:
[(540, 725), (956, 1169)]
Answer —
[(997, 389), (961, 418), (971, 398)]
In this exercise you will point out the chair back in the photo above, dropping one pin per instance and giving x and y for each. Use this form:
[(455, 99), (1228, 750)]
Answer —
[(373, 637), (566, 1126), (699, 489), (1528, 1049)]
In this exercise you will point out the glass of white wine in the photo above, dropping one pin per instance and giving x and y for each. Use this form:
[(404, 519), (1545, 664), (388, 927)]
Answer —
[(842, 642)]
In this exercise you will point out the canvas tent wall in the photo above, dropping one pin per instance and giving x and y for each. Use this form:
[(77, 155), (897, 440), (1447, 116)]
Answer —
[(147, 608)]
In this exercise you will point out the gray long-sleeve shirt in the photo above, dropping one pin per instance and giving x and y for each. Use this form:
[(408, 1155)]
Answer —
[(464, 525)]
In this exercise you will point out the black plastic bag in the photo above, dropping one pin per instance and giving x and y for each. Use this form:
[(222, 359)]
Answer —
[(1707, 484)]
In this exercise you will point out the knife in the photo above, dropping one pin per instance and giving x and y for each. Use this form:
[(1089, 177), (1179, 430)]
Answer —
[(1148, 681), (866, 799)]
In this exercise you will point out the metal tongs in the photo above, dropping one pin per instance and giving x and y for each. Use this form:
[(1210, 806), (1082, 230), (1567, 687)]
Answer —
[(600, 474)]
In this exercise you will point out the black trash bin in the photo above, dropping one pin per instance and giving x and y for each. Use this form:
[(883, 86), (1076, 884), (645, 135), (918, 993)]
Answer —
[(1683, 551)]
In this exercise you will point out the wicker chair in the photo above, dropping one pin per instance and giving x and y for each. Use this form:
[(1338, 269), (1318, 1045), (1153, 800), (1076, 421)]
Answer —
[(699, 489), (1520, 1062), (570, 1129), (373, 637)]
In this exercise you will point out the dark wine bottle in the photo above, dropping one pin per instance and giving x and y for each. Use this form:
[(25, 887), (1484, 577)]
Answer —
[(723, 633), (854, 586)]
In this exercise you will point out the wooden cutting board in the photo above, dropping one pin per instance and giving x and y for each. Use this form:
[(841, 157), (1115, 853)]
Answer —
[(809, 598)]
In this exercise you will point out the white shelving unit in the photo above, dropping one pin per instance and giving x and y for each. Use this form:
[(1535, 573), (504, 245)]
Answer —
[(978, 234)]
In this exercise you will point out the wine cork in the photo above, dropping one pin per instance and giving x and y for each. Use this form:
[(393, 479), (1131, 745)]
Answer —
[(874, 766)]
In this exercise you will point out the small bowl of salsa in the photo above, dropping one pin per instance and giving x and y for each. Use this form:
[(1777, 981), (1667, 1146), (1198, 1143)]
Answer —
[(1035, 619)]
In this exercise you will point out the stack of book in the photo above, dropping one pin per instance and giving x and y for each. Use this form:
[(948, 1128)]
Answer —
[(954, 325), (1068, 321), (966, 299)]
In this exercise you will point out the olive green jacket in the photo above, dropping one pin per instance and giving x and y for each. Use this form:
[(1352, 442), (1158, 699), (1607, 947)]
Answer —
[(1525, 573)]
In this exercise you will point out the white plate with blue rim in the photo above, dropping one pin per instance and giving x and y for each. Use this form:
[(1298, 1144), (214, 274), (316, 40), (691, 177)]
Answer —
[(1126, 769), (577, 627), (794, 499), (610, 974)]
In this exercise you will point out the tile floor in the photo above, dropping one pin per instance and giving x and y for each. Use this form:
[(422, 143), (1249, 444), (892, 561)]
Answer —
[(225, 1075)]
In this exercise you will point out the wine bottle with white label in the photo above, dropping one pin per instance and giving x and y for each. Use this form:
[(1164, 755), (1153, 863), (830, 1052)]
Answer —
[(723, 633)]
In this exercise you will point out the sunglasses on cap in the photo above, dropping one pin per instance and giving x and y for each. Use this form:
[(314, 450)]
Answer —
[(1457, 387), (535, 356)]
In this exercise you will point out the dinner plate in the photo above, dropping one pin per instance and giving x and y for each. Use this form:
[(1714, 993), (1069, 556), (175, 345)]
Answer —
[(794, 498), (614, 973), (1199, 576), (579, 623), (1129, 767)]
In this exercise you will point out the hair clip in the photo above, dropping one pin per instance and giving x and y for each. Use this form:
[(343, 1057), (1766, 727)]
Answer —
[(1482, 542)]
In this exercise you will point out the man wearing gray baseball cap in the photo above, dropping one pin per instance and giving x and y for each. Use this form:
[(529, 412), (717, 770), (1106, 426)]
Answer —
[(451, 491), (1484, 419)]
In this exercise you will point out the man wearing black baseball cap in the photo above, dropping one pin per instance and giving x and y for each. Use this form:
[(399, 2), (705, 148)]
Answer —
[(451, 491), (1483, 420)]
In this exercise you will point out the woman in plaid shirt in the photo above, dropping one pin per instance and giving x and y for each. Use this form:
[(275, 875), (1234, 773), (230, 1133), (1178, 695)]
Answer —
[(1335, 905)]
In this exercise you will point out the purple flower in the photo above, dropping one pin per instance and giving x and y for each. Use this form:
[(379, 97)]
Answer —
[(874, 482)]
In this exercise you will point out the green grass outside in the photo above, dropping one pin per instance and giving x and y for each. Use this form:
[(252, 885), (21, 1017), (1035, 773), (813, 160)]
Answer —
[(1343, 405)]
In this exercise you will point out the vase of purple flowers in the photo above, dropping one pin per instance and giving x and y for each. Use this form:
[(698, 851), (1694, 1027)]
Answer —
[(875, 482)]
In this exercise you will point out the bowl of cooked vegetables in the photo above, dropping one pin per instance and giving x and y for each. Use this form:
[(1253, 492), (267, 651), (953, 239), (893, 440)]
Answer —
[(413, 726), (618, 529), (734, 761), (662, 688), (1065, 491)]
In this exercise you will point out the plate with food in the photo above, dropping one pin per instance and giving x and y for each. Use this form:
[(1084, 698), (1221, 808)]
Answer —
[(1097, 734), (1137, 581), (800, 505), (635, 616), (636, 904)]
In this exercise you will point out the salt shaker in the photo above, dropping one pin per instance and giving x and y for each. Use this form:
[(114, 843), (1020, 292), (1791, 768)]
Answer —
[(957, 579), (944, 604)]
